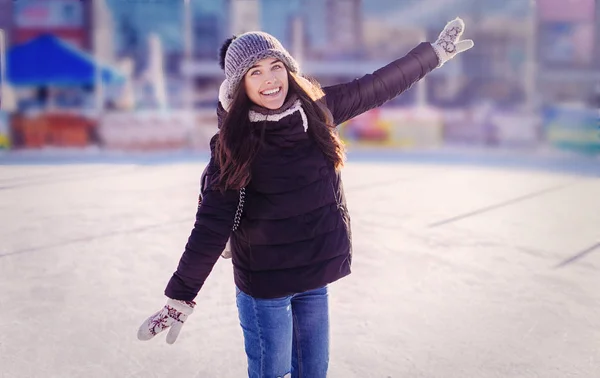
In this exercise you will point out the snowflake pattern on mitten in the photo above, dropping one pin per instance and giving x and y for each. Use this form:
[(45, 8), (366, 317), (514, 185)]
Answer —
[(158, 323), (447, 44), (175, 311), (447, 38)]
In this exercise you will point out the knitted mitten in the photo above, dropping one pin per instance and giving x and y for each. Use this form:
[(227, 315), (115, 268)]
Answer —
[(172, 315), (447, 45)]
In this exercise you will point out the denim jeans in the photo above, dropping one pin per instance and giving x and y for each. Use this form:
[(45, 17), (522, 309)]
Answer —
[(286, 337)]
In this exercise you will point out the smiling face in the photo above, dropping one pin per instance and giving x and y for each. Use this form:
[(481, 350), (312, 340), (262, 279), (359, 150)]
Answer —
[(266, 83)]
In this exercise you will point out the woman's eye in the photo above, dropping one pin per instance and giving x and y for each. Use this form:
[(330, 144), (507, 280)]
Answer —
[(277, 67), (254, 73)]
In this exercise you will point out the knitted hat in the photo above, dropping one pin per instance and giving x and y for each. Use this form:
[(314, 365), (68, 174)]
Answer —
[(240, 53)]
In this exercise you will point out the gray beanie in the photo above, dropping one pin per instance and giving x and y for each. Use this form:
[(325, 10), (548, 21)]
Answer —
[(247, 49)]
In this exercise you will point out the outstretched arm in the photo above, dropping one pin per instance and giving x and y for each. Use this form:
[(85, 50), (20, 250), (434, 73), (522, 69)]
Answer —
[(346, 101)]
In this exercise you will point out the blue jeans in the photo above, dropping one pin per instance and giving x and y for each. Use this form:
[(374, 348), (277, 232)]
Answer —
[(286, 337)]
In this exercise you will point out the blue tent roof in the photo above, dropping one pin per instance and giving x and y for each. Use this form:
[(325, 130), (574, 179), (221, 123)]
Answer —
[(46, 60)]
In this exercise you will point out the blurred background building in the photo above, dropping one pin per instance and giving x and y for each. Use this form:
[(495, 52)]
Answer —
[(151, 73)]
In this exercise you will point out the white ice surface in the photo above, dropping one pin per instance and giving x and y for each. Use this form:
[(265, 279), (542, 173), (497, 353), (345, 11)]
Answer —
[(458, 272)]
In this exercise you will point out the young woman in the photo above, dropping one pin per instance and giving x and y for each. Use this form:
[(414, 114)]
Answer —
[(273, 189)]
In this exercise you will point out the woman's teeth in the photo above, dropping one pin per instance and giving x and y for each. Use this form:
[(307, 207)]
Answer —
[(271, 92)]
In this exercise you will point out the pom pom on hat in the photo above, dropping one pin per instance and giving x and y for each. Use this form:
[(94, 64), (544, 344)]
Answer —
[(223, 51)]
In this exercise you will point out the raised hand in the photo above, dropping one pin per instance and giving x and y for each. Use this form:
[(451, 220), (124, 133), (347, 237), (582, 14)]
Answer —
[(448, 45)]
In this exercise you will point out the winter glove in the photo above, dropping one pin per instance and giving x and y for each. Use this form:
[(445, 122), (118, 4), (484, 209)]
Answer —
[(447, 45), (172, 315)]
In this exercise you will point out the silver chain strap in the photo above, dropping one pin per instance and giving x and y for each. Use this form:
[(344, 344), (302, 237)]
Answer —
[(240, 208)]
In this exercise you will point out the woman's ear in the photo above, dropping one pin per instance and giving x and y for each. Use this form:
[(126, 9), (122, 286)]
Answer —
[(224, 98)]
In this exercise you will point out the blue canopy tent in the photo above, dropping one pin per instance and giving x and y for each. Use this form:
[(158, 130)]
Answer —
[(48, 61)]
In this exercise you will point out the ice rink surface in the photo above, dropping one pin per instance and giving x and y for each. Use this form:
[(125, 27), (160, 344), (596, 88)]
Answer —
[(459, 271)]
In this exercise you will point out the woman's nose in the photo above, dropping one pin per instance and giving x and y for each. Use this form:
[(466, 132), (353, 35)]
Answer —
[(271, 80)]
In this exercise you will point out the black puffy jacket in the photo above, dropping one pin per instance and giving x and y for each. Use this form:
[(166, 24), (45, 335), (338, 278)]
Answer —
[(295, 232)]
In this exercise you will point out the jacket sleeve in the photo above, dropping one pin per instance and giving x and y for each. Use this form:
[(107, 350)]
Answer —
[(212, 228), (346, 101)]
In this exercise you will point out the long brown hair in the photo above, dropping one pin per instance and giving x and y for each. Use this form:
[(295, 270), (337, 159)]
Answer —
[(238, 143)]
